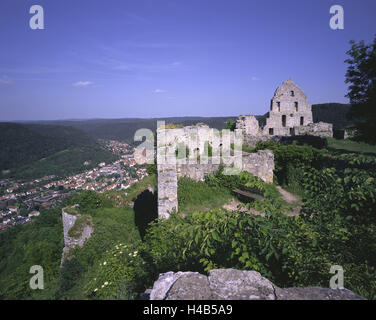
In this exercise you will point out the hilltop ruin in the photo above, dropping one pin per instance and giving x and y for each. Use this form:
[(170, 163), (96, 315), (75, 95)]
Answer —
[(289, 115)]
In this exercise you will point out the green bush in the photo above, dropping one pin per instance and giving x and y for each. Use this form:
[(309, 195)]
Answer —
[(114, 276), (290, 251), (37, 243), (90, 200), (291, 157), (273, 201), (70, 272)]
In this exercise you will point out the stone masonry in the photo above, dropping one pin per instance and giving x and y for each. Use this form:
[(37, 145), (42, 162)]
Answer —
[(319, 129), (167, 190), (260, 164), (232, 284), (288, 109), (289, 115)]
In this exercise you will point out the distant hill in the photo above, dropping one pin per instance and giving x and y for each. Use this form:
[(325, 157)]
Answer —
[(124, 129), (333, 113), (34, 150)]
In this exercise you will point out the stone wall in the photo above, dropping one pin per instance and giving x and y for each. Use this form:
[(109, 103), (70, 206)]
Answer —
[(69, 242), (232, 284), (251, 140), (167, 190), (260, 164), (196, 172), (248, 124), (319, 129), (289, 108), (289, 115)]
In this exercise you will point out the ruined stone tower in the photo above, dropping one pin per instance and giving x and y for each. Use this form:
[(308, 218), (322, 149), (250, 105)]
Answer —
[(288, 109), (289, 115)]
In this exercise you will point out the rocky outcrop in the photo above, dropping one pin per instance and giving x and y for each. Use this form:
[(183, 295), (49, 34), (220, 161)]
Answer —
[(70, 243), (231, 284)]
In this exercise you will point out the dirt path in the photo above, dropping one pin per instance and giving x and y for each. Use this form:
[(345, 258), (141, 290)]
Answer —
[(233, 206), (287, 196), (292, 199)]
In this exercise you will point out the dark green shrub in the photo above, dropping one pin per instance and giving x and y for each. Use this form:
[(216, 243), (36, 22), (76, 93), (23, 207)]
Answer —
[(289, 157), (69, 274), (90, 200)]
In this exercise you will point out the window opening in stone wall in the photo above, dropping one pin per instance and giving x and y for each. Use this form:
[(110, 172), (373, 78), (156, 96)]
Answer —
[(284, 121)]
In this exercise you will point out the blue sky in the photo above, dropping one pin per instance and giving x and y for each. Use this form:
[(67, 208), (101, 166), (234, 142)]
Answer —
[(158, 58)]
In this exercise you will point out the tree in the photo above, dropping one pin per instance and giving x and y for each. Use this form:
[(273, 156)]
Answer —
[(361, 74), (231, 125)]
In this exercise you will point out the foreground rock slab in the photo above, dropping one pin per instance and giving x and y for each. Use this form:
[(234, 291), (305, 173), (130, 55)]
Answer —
[(232, 284)]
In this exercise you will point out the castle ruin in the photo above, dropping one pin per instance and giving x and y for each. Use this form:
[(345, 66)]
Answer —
[(289, 115)]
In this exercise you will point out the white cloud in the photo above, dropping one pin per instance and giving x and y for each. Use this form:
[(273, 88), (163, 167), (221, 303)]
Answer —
[(6, 80), (82, 83), (255, 78), (159, 91)]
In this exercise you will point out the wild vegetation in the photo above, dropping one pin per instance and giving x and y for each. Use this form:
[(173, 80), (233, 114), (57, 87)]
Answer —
[(361, 76), (337, 226)]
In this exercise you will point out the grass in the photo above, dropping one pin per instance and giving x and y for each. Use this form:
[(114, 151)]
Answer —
[(350, 146), (71, 210), (111, 226), (199, 196), (173, 126), (79, 225), (134, 190)]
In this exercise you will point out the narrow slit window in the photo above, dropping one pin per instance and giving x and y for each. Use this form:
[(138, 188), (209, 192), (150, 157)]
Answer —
[(301, 121), (296, 106), (284, 121), (271, 131)]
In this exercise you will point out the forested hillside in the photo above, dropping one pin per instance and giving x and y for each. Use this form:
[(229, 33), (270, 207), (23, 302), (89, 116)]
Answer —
[(333, 113), (124, 129), (34, 150)]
